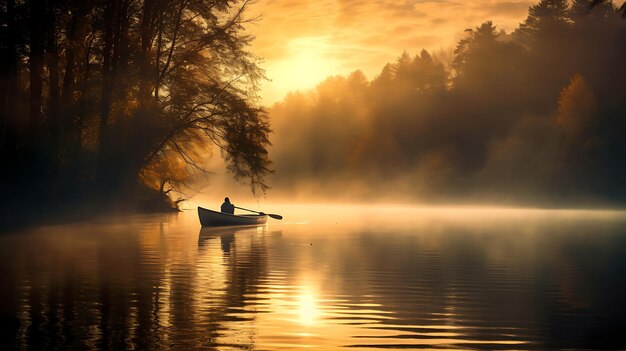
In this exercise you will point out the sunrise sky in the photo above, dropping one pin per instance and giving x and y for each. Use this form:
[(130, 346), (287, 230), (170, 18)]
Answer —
[(304, 41)]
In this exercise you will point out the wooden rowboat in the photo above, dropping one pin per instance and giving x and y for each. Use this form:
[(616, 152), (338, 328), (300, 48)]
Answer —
[(209, 218)]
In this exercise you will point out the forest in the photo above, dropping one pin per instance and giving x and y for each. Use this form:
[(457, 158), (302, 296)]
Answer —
[(532, 117), (113, 104), (118, 105)]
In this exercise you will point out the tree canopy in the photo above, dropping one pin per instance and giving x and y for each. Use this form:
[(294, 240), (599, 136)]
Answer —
[(535, 116), (98, 95)]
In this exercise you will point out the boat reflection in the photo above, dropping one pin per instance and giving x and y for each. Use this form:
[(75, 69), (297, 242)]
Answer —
[(227, 235), (430, 282)]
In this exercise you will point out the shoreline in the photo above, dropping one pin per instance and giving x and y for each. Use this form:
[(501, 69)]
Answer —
[(22, 215)]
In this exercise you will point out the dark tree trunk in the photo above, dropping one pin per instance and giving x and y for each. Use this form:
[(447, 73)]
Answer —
[(76, 35), (116, 58), (82, 91), (37, 17), (8, 88), (110, 12), (52, 54), (157, 59), (147, 28)]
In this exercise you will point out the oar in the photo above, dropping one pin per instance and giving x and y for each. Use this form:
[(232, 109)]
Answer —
[(275, 216)]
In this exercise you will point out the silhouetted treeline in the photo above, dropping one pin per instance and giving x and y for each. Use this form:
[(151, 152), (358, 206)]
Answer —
[(118, 99), (538, 114)]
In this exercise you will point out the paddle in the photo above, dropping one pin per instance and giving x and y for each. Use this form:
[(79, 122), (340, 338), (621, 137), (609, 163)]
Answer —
[(275, 216)]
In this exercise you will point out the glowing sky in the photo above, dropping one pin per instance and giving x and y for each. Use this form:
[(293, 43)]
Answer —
[(304, 41)]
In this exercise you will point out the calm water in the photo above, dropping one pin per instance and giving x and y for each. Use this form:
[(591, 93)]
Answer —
[(324, 278)]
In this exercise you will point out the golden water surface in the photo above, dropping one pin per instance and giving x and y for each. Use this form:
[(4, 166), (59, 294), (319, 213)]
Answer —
[(324, 278)]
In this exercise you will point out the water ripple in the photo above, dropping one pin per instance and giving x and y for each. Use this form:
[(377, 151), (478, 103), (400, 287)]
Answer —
[(425, 284)]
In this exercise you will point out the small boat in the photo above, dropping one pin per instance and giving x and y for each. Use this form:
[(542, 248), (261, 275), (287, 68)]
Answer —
[(209, 218)]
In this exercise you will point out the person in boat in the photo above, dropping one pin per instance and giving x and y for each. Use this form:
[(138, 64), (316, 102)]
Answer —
[(227, 207)]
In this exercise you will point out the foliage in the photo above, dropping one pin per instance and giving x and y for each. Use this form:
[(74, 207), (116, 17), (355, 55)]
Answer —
[(534, 116), (106, 93)]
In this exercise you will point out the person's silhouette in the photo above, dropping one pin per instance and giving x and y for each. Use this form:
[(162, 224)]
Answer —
[(227, 207)]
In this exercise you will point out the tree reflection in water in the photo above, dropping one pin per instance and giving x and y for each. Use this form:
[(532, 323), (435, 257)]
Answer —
[(438, 279), (129, 286)]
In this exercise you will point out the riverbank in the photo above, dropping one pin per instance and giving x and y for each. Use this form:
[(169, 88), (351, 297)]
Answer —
[(23, 209)]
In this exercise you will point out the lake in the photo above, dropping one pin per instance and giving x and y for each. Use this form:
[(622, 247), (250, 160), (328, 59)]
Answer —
[(324, 278)]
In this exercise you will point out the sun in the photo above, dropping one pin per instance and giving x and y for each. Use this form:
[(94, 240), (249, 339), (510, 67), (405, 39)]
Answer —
[(309, 60)]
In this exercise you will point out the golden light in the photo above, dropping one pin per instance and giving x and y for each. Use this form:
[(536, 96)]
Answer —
[(307, 307), (309, 61)]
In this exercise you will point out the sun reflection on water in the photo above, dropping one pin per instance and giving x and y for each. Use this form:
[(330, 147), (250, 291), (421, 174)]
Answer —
[(355, 277), (308, 307)]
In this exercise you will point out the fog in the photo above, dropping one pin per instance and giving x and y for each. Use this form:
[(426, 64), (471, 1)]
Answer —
[(532, 117)]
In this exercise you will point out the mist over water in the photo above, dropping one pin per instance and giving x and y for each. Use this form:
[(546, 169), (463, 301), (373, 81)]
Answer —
[(126, 107), (326, 277), (531, 117)]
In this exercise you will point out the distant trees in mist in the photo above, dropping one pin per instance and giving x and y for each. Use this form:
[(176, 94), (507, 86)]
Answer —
[(96, 96), (538, 114)]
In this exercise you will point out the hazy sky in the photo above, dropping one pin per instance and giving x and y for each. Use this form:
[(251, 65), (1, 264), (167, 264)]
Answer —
[(303, 41)]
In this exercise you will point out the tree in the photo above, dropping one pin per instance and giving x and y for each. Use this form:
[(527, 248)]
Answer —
[(583, 9), (546, 20), (8, 84), (476, 40), (202, 88), (577, 109), (117, 87)]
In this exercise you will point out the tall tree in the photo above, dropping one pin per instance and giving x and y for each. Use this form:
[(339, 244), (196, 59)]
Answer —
[(36, 56), (8, 84), (117, 87), (545, 23)]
